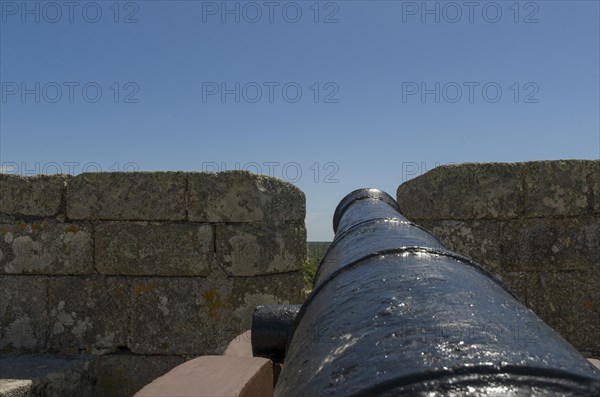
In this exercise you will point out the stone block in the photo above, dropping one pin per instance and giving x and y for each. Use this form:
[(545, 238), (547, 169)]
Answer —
[(201, 315), (46, 248), (517, 283), (545, 244), (23, 313), (88, 314), (31, 196), (121, 375), (127, 196), (49, 375), (250, 292), (255, 249), (240, 196), (557, 188), (518, 245), (570, 303), (171, 315), (476, 239), (154, 249), (463, 191)]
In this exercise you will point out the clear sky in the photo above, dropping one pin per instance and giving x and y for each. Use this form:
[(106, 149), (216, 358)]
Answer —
[(331, 96)]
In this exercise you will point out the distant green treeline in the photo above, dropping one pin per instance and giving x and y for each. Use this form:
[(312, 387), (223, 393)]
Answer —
[(316, 251)]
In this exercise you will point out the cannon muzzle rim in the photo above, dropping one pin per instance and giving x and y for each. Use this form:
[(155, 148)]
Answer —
[(361, 194)]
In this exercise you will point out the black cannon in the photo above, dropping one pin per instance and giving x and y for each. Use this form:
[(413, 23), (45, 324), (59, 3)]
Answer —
[(393, 312)]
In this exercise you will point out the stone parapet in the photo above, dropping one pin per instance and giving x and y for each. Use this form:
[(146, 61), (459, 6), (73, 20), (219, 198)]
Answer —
[(536, 225), (143, 269)]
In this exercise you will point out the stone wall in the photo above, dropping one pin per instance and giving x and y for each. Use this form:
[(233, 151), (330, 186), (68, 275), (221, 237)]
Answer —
[(534, 224), (143, 270)]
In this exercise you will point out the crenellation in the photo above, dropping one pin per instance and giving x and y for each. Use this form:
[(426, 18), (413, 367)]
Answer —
[(545, 246), (142, 269)]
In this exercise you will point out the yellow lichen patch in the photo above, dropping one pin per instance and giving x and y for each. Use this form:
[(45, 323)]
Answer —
[(22, 226), (36, 226), (145, 288), (71, 229), (5, 229), (213, 303), (164, 346), (118, 291), (588, 305)]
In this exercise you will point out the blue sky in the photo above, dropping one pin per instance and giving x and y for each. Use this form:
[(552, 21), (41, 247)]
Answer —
[(331, 96)]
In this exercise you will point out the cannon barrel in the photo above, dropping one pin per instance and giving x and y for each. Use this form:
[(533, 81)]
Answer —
[(394, 312)]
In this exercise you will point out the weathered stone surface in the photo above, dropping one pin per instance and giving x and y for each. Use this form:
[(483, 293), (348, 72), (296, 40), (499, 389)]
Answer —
[(127, 196), (253, 291), (168, 316), (536, 244), (476, 239), (31, 196), (161, 249), (464, 191), (557, 187), (23, 313), (594, 181), (137, 225), (15, 387), (254, 249), (201, 315), (240, 196), (46, 248), (544, 244), (88, 313), (121, 375), (517, 283), (49, 375), (570, 303)]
